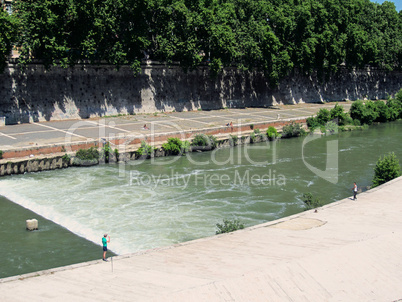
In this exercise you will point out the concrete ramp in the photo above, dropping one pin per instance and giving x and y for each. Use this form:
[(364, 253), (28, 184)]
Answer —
[(346, 251)]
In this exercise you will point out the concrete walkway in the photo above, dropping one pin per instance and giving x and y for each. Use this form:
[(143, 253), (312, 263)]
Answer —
[(34, 135), (347, 251)]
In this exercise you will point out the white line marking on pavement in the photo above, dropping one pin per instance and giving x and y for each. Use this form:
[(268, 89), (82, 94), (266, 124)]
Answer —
[(105, 125), (7, 135), (46, 126)]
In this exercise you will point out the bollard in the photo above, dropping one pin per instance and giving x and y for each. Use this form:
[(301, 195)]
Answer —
[(32, 224)]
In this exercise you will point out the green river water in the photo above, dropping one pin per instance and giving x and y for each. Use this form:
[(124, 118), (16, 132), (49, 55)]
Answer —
[(163, 201)]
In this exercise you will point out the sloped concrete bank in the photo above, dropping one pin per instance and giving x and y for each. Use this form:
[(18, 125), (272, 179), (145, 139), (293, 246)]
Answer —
[(347, 251), (42, 158)]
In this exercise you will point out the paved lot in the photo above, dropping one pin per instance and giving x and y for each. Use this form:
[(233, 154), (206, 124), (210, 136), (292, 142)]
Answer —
[(59, 132), (347, 251)]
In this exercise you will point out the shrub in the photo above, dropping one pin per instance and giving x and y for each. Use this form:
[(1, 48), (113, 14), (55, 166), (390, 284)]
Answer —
[(331, 127), (310, 201), (338, 113), (395, 109), (229, 226), (386, 169), (203, 140), (173, 146), (312, 123), (323, 116), (272, 133), (1, 154), (370, 113), (145, 149), (116, 154), (384, 112), (357, 110), (293, 130), (66, 158), (233, 140), (87, 154), (106, 150), (365, 113)]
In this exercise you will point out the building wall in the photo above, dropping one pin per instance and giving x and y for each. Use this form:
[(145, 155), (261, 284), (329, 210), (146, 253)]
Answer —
[(89, 91)]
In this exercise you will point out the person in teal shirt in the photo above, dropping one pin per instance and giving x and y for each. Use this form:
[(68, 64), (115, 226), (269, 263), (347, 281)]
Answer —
[(104, 243)]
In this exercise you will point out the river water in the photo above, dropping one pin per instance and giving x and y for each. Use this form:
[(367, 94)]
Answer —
[(163, 201)]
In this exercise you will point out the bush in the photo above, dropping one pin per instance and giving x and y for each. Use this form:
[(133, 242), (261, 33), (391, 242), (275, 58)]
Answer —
[(395, 109), (312, 123), (1, 154), (357, 110), (229, 226), (365, 113), (256, 134), (203, 140), (66, 158), (386, 169), (233, 140), (338, 113), (87, 154), (272, 133), (106, 150), (311, 202), (384, 112), (331, 127), (174, 146), (323, 116), (145, 149), (293, 130)]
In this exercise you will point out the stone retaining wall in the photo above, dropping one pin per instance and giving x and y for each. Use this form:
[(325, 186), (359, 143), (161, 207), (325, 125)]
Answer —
[(89, 91)]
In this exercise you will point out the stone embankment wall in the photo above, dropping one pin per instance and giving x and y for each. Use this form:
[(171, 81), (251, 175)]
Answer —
[(88, 91), (43, 158)]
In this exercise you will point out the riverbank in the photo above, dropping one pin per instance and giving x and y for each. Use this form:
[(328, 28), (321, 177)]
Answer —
[(331, 255), (41, 146)]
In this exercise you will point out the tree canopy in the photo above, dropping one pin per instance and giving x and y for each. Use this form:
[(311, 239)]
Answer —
[(272, 36)]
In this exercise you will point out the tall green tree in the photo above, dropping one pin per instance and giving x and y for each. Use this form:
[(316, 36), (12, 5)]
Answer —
[(8, 36)]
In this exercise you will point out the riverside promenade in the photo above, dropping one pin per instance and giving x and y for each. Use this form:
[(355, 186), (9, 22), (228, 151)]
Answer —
[(346, 251)]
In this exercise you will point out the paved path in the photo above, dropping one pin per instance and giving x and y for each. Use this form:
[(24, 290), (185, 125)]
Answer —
[(14, 137), (347, 251)]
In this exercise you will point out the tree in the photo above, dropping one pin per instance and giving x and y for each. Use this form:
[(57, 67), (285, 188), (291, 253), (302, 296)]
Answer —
[(8, 36), (386, 169)]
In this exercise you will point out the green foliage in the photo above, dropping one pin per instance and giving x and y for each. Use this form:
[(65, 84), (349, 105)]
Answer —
[(106, 151), (203, 140), (87, 154), (311, 202), (255, 135), (272, 133), (331, 127), (323, 116), (386, 169), (365, 113), (395, 106), (174, 146), (8, 36), (145, 149), (1, 154), (116, 154), (293, 130), (270, 36), (229, 226), (233, 139), (66, 158), (338, 113)]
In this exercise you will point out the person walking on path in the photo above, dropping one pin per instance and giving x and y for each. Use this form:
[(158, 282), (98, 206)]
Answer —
[(354, 191), (104, 243)]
